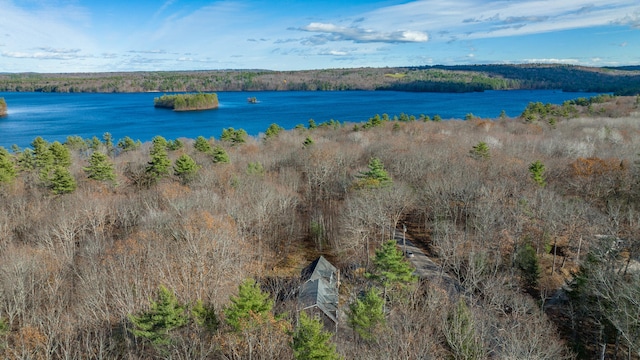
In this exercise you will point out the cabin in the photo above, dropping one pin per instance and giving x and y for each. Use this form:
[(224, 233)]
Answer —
[(318, 294)]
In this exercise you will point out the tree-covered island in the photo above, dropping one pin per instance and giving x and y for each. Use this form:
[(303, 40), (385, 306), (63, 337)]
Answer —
[(3, 107), (187, 102)]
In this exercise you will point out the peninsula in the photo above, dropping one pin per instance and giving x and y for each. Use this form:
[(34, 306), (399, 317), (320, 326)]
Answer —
[(187, 102)]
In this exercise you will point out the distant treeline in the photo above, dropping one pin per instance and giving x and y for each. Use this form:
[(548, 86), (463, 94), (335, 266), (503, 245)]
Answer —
[(462, 78), (187, 102)]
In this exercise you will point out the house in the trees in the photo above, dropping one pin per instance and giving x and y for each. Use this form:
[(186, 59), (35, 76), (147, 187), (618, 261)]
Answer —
[(319, 291)]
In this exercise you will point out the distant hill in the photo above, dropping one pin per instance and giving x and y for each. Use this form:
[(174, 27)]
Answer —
[(460, 78)]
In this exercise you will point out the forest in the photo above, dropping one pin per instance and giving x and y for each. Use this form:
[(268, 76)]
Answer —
[(621, 81), (193, 248)]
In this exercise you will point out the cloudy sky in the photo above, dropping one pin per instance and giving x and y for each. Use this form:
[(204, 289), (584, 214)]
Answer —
[(115, 35)]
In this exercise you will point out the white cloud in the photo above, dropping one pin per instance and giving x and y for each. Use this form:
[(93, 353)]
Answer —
[(552, 61), (497, 18), (357, 34)]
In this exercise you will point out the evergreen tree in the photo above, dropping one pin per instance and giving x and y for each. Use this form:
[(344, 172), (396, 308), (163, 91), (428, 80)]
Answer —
[(255, 168), (100, 168), (164, 315), (174, 145), (366, 313), (61, 154), (312, 124), (248, 308), (108, 142), (43, 159), (391, 268), (480, 151), (272, 131), (375, 177), (7, 166), (76, 143), (461, 335), (220, 155), (201, 144), (537, 173), (185, 168), (311, 342), (234, 136), (61, 181), (160, 164), (94, 143), (527, 262), (127, 144), (307, 142), (205, 316)]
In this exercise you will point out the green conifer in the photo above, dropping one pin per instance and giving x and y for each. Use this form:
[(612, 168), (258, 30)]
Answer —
[(100, 168), (61, 181), (185, 168), (311, 342), (164, 315), (249, 307), (366, 314), (7, 166)]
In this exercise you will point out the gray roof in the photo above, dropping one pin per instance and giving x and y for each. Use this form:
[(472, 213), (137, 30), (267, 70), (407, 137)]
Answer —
[(320, 287)]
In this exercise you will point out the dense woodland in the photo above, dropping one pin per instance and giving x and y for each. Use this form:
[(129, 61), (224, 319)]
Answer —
[(187, 102), (192, 248), (623, 81)]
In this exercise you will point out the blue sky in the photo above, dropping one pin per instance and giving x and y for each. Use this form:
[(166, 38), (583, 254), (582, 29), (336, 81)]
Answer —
[(114, 35)]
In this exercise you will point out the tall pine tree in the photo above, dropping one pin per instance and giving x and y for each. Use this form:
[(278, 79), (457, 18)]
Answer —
[(164, 315), (100, 168), (310, 342), (249, 307), (366, 314)]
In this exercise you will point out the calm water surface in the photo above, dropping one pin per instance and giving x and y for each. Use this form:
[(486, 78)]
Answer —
[(55, 116)]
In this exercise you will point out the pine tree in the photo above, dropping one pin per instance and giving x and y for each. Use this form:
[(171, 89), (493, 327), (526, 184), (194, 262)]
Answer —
[(391, 269), (185, 168), (310, 342), (7, 166), (366, 313), (537, 173), (234, 136), (272, 131), (375, 177), (61, 154), (307, 142), (61, 181), (127, 144), (43, 159), (461, 335), (164, 315), (480, 151), (108, 142), (248, 308), (205, 316), (100, 168), (201, 144), (160, 164), (220, 155), (527, 262)]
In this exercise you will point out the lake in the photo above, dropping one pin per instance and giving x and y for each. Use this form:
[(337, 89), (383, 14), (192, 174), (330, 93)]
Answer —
[(54, 116)]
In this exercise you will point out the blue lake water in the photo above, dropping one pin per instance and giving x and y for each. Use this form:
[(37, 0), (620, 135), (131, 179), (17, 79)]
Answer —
[(54, 116)]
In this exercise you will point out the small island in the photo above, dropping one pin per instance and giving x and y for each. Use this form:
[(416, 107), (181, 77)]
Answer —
[(3, 107), (187, 102)]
